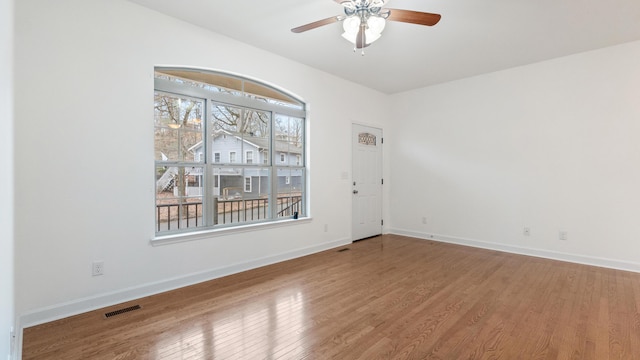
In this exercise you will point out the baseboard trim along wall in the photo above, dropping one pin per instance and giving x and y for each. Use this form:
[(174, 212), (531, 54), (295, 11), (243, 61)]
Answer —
[(547, 254), (91, 303)]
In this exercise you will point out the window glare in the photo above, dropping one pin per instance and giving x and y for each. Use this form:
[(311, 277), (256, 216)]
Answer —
[(222, 83)]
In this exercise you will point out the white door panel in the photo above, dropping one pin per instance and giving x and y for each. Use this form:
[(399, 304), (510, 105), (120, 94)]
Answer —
[(367, 182)]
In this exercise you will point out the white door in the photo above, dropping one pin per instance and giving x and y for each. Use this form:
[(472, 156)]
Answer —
[(367, 181)]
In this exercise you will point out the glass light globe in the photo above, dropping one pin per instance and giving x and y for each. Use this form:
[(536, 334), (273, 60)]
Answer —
[(351, 26), (376, 25)]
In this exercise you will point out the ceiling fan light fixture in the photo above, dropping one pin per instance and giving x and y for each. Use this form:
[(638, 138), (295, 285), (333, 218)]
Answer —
[(371, 37), (376, 24), (373, 32), (351, 25), (349, 37)]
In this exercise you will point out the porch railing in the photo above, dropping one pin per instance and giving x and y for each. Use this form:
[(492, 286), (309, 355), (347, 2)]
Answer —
[(188, 215)]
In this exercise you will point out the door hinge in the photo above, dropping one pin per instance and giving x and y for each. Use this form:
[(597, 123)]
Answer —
[(382, 222), (382, 181), (381, 140)]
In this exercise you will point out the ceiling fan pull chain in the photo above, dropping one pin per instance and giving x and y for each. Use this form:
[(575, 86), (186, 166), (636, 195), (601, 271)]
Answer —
[(355, 49)]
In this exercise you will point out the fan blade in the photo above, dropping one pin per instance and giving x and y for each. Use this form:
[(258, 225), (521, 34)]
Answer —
[(361, 39), (316, 24), (414, 17)]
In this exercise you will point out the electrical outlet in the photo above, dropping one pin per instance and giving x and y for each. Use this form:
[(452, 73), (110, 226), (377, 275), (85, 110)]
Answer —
[(97, 268), (562, 235), (526, 231)]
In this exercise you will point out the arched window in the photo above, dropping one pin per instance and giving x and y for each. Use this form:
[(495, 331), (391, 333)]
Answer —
[(229, 151)]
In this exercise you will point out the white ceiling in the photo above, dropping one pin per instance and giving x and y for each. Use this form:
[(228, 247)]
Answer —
[(473, 37)]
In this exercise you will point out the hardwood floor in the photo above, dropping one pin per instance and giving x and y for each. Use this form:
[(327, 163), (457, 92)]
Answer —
[(389, 297)]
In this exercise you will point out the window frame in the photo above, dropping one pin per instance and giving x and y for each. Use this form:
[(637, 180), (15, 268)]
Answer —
[(248, 188), (171, 87)]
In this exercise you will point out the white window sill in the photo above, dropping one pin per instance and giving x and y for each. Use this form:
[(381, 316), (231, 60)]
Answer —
[(210, 233)]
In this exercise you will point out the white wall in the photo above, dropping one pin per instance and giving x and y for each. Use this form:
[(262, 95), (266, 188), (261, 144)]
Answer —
[(84, 155), (6, 181), (551, 146)]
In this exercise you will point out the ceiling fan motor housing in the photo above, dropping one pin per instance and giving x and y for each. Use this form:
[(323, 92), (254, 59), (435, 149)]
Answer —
[(364, 9)]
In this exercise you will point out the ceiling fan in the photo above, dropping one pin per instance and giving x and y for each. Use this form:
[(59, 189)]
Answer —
[(364, 20)]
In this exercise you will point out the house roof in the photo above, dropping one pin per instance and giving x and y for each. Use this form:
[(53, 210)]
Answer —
[(259, 143)]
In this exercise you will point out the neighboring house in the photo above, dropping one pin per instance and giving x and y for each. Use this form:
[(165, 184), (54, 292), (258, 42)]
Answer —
[(247, 182)]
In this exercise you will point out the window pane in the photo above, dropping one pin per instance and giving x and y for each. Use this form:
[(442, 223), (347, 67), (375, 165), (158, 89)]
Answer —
[(255, 133), (223, 83), (211, 82), (226, 118), (178, 128), (242, 194), (290, 190), (247, 184), (239, 132), (289, 135), (262, 93), (179, 192), (225, 121)]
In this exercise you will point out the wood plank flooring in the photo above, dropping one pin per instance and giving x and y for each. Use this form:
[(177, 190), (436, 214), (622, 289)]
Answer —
[(389, 297)]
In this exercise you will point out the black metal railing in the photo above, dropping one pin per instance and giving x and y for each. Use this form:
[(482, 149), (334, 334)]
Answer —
[(255, 208), (184, 215), (289, 205), (189, 214)]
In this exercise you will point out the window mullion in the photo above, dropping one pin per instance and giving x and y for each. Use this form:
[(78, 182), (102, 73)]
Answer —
[(273, 174), (208, 206)]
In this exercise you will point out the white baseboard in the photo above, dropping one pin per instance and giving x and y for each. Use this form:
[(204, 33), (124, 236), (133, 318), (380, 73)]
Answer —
[(91, 303), (547, 254)]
